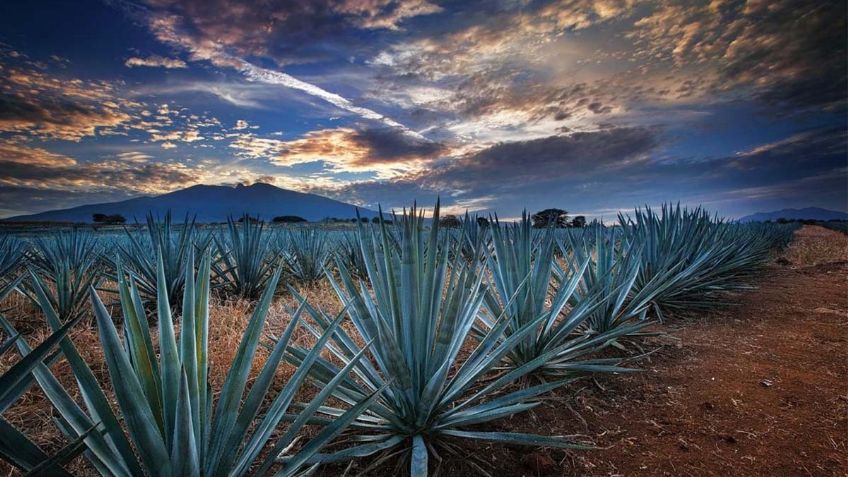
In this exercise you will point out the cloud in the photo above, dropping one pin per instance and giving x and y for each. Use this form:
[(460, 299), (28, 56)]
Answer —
[(112, 175), (617, 169), (790, 53), (188, 135), (134, 156), (290, 30), (155, 61), (385, 150), (514, 170), (252, 147), (38, 104), (388, 14), (56, 110), (11, 152), (170, 28)]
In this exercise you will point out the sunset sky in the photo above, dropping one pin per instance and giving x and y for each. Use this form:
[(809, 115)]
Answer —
[(591, 106)]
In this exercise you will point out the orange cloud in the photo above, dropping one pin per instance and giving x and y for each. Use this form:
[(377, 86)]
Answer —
[(34, 156), (155, 61)]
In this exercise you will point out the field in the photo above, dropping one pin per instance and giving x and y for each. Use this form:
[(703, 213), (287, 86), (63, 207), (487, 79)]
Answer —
[(670, 344)]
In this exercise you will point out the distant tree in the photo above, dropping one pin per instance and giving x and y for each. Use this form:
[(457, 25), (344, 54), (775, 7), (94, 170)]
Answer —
[(364, 220), (550, 217), (288, 219), (783, 220), (449, 221), (482, 221), (108, 219), (354, 220), (375, 220), (578, 222)]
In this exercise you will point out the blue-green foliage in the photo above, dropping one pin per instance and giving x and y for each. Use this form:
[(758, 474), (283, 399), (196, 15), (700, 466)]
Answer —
[(66, 264), (12, 257), (245, 257), (307, 252), (420, 314), (692, 257), (174, 243)]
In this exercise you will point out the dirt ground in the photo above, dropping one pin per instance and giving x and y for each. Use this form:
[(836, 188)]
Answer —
[(760, 388)]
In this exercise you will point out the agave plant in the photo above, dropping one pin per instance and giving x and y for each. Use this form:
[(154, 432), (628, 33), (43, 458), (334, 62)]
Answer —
[(475, 236), (611, 274), (173, 243), (691, 256), (349, 252), (172, 418), (419, 318), (307, 254), (531, 289), (12, 254), (245, 263), (15, 447), (66, 265)]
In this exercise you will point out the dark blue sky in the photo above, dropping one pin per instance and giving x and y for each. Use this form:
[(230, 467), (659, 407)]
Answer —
[(591, 106)]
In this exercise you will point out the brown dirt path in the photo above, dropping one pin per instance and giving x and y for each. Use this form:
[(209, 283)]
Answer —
[(757, 389)]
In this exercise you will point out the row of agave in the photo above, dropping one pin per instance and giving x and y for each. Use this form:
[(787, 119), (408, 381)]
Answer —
[(450, 330), (245, 255)]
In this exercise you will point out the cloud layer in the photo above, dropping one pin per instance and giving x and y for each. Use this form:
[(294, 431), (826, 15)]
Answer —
[(594, 106)]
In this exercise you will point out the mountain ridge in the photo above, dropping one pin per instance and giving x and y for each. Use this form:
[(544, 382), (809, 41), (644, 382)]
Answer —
[(806, 213), (210, 203)]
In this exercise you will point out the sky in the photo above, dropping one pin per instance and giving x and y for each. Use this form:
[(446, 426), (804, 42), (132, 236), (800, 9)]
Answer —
[(497, 106)]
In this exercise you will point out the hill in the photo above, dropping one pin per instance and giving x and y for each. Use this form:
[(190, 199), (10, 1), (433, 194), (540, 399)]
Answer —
[(809, 213), (211, 204)]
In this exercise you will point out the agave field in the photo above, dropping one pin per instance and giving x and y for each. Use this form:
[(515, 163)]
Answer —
[(438, 334)]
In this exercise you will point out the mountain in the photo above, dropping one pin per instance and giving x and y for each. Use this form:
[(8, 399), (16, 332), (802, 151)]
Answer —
[(809, 213), (211, 204)]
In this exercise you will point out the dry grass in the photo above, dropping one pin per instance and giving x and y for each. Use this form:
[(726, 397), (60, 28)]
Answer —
[(814, 245)]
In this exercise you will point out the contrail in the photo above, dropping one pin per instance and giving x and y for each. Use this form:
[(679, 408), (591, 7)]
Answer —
[(164, 27), (264, 75)]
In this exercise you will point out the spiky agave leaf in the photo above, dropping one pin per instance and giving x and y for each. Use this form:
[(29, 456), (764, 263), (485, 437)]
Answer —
[(172, 241), (610, 276), (170, 413), (689, 257), (245, 257), (307, 253), (349, 252), (12, 257), (530, 287), (15, 447), (475, 235), (419, 317), (66, 264)]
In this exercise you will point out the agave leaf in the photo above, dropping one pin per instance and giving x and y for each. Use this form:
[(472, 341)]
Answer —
[(20, 370), (105, 448), (135, 409), (520, 439), (21, 452), (184, 456)]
